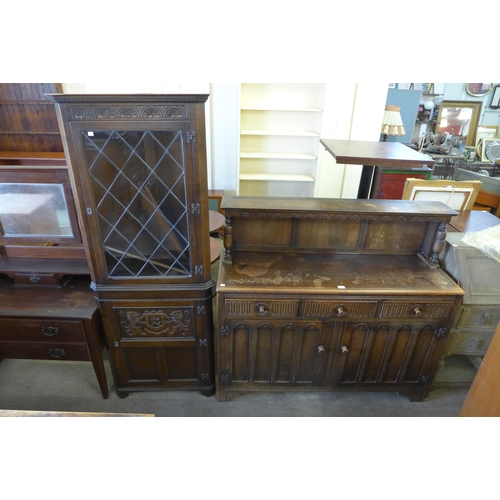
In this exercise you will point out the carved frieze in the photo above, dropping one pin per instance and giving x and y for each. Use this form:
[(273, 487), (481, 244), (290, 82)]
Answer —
[(336, 217), (156, 323), (120, 112)]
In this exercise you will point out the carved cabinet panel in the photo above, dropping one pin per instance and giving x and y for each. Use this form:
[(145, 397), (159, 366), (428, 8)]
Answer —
[(334, 354), (160, 343), (403, 355), (279, 353)]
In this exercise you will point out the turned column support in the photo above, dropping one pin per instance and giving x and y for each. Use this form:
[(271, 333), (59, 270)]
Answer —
[(228, 241)]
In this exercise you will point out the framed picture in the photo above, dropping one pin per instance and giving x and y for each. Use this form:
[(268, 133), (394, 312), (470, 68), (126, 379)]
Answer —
[(495, 98), (478, 89), (486, 132)]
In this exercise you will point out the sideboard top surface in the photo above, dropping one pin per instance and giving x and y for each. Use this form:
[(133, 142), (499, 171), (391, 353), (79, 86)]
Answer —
[(278, 272), (337, 206)]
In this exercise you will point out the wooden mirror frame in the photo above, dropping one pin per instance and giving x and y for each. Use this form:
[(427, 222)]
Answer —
[(476, 110)]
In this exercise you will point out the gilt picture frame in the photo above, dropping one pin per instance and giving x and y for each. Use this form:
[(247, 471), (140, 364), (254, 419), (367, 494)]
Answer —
[(478, 89)]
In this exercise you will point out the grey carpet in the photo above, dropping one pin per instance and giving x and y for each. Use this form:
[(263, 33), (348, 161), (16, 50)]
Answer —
[(72, 387)]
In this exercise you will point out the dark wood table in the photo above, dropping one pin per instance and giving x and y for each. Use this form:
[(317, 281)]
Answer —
[(373, 154), (472, 220)]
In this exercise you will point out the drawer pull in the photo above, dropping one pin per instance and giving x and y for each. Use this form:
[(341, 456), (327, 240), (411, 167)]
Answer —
[(485, 319), (340, 310), (321, 349), (50, 331), (35, 279), (344, 349), (261, 309), (57, 353), (416, 310)]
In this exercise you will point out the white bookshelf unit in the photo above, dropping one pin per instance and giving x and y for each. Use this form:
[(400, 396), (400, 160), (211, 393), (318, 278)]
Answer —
[(280, 127)]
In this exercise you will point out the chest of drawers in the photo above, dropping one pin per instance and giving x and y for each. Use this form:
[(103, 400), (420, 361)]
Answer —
[(479, 314), (52, 324), (332, 299)]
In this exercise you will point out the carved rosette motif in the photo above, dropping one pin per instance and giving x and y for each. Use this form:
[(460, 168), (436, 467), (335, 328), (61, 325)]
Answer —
[(157, 323), (113, 112)]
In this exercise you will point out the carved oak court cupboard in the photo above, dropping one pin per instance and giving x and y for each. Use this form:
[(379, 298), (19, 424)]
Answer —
[(138, 169), (318, 294)]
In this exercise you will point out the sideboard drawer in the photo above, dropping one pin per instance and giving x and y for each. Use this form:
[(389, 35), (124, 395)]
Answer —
[(416, 309), (319, 309), (42, 350), (40, 330), (253, 308)]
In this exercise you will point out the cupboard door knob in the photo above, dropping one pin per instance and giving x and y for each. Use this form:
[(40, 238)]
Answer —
[(344, 349), (321, 349), (50, 331)]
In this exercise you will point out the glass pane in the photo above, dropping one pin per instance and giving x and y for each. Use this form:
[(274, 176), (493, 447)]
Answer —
[(34, 210), (139, 188)]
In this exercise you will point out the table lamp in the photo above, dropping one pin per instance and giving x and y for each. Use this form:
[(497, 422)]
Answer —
[(392, 123)]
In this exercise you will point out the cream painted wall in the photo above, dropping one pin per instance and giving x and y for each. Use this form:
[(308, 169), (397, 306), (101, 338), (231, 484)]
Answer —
[(352, 111)]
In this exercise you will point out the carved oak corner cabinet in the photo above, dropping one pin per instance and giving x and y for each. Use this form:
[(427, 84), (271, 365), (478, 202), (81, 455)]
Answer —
[(318, 294), (138, 170)]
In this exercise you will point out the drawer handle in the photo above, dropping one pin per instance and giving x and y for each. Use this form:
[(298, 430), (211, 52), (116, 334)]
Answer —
[(340, 310), (35, 279), (321, 349), (261, 309), (485, 319), (57, 353), (50, 331), (416, 310), (344, 349)]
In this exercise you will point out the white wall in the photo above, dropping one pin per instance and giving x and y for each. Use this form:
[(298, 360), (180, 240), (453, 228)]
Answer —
[(352, 111)]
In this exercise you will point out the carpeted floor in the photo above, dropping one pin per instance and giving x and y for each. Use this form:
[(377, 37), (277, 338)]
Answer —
[(72, 387)]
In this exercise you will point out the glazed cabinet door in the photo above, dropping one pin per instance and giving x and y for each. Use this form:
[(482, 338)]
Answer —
[(388, 356), (160, 344), (145, 218), (272, 354)]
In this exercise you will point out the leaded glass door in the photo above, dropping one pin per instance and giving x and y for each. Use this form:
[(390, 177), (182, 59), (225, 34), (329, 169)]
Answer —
[(142, 200)]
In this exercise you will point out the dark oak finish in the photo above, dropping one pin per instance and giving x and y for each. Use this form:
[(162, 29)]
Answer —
[(332, 295), (138, 169), (56, 324), (27, 118), (382, 154), (376, 156)]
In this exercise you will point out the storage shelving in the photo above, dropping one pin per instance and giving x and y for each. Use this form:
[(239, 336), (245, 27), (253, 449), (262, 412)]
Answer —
[(279, 138)]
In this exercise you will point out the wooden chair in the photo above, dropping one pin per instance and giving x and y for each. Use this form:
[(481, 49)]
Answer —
[(459, 195)]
